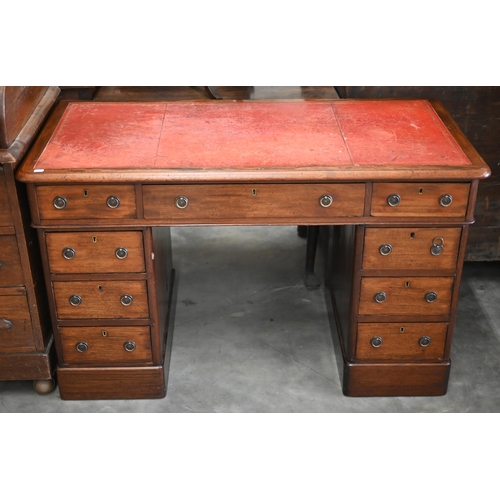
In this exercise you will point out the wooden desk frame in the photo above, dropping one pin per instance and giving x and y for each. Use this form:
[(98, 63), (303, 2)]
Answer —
[(149, 209)]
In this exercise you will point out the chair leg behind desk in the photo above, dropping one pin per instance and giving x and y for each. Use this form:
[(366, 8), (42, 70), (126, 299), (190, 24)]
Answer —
[(311, 280)]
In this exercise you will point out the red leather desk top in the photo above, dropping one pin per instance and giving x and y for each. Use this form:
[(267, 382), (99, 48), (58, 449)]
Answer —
[(243, 135)]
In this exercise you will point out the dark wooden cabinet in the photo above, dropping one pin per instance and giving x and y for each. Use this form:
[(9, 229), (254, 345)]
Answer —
[(26, 341)]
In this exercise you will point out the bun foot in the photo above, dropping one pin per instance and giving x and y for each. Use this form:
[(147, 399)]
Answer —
[(44, 386)]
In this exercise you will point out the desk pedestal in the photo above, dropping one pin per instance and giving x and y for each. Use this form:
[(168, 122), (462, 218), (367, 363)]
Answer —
[(393, 316)]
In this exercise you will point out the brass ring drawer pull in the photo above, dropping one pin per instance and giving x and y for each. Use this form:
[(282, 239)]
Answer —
[(424, 341), (129, 346), (181, 202), (431, 296), (60, 202), (5, 324), (121, 253), (113, 202), (376, 341), (385, 249), (69, 253), (75, 300), (379, 297), (325, 200), (393, 200), (437, 246), (82, 346), (445, 200), (126, 299)]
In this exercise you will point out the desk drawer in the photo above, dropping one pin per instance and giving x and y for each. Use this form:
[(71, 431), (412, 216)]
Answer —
[(101, 299), (106, 345), (401, 342), (11, 272), (91, 201), (253, 201), (96, 252), (419, 200), (5, 212), (411, 248), (406, 296), (16, 333)]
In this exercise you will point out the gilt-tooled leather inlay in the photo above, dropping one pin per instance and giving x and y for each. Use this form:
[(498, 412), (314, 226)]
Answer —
[(245, 134)]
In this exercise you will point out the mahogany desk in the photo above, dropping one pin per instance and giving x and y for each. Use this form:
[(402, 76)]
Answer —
[(396, 179)]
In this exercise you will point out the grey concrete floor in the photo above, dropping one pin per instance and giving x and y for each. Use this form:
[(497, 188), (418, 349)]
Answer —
[(249, 337)]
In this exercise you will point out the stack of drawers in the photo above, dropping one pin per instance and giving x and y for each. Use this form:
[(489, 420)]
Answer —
[(26, 344), (16, 335), (109, 305), (398, 322)]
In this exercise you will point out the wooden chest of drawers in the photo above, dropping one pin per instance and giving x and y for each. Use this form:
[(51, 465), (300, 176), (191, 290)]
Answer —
[(395, 293), (26, 342), (395, 181), (111, 309)]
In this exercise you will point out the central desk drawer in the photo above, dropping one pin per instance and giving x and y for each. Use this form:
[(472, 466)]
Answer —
[(106, 344), (406, 296), (219, 202), (92, 201), (96, 252), (101, 299)]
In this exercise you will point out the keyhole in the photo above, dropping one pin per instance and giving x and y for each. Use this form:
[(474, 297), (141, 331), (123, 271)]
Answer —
[(94, 239), (99, 288), (104, 333), (254, 192), (407, 284), (402, 329), (412, 235), (85, 193), (421, 190)]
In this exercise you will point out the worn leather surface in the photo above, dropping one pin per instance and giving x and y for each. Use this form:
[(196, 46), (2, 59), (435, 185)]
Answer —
[(250, 134)]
